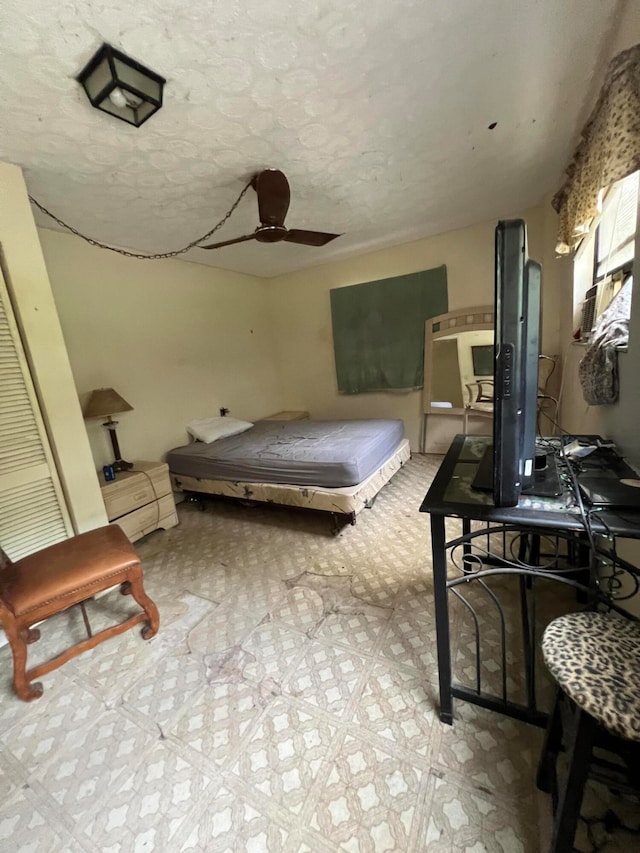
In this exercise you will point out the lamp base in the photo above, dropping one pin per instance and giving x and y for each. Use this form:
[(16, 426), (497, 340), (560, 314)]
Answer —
[(118, 463)]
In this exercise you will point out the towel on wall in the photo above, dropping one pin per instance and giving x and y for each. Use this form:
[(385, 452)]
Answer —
[(378, 330), (598, 370)]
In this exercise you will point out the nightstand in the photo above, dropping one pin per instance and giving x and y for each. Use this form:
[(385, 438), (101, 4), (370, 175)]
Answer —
[(140, 500), (287, 416)]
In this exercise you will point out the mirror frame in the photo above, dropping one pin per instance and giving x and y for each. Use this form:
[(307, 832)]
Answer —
[(478, 318)]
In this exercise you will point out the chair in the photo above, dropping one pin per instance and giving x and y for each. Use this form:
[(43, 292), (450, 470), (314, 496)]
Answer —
[(595, 659), (52, 580), (480, 397), (479, 402)]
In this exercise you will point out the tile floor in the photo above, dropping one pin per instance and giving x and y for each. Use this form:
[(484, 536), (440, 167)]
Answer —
[(287, 703)]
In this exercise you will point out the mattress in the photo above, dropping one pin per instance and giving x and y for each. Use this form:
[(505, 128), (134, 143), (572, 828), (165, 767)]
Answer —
[(305, 453), (348, 500)]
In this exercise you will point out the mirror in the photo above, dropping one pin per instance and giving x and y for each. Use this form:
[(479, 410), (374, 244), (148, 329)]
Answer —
[(458, 379), (458, 360), (458, 366)]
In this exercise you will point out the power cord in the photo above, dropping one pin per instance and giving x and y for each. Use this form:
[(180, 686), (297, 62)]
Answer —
[(586, 515), (155, 494)]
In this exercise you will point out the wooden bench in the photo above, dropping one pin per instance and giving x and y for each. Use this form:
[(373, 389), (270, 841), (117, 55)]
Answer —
[(52, 580)]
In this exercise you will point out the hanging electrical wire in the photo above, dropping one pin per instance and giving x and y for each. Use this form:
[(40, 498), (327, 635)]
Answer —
[(154, 257)]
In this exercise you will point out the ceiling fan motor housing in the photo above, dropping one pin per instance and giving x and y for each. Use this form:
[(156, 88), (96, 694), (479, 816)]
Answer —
[(271, 233)]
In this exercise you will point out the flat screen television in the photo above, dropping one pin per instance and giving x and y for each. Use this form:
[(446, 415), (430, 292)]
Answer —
[(508, 466), (482, 359)]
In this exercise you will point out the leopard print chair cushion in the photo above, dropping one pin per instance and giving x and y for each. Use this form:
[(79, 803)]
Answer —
[(595, 658)]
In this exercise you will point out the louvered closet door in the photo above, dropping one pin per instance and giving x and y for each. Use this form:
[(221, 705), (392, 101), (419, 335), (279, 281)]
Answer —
[(33, 513)]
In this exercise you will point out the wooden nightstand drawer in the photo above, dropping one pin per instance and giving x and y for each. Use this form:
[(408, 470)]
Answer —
[(148, 518), (132, 489), (141, 500), (129, 496)]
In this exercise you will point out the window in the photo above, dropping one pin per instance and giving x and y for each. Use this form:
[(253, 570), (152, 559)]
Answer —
[(604, 259)]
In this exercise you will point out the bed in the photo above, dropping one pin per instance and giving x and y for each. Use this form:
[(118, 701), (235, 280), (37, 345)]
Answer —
[(334, 466)]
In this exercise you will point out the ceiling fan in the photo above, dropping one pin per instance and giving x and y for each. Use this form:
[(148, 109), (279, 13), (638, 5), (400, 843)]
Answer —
[(272, 188)]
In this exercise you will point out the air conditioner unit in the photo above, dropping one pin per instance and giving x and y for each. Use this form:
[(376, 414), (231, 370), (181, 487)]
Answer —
[(597, 300), (589, 312)]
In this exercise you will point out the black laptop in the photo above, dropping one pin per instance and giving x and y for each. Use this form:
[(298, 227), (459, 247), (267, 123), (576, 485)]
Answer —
[(599, 490), (607, 480)]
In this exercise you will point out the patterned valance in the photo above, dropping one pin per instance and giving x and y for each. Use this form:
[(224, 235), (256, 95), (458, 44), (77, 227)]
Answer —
[(609, 149)]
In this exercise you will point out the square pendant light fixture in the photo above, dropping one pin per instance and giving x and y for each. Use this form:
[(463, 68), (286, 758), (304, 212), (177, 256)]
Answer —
[(122, 87)]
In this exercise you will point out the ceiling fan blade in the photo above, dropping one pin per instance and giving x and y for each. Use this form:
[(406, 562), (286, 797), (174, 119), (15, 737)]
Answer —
[(229, 242), (309, 238), (274, 196)]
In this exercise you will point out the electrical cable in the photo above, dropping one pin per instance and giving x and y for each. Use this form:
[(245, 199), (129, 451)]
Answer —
[(586, 519), (542, 391), (563, 358), (612, 581), (154, 257), (584, 516), (155, 493)]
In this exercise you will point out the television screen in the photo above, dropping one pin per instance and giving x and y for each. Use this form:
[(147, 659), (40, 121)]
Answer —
[(482, 357), (511, 304), (508, 465)]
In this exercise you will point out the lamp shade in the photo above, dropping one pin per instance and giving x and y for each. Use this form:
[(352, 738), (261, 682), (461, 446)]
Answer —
[(104, 402), (122, 87)]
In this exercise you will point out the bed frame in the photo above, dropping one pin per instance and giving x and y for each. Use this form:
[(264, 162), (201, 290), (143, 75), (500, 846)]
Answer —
[(344, 504)]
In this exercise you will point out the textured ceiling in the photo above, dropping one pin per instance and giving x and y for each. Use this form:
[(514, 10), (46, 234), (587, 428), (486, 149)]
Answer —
[(377, 111)]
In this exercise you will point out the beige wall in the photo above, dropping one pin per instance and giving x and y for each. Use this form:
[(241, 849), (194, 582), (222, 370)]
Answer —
[(628, 29), (302, 315), (35, 311), (177, 340)]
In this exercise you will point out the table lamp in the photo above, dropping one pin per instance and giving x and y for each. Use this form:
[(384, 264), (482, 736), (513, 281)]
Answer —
[(104, 402)]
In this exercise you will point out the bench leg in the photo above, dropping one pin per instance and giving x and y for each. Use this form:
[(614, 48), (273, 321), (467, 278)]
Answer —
[(136, 589), (18, 640)]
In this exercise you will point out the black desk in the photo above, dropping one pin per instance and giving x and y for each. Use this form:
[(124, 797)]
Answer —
[(451, 497)]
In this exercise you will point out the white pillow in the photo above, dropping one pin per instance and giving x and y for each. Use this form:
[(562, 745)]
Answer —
[(211, 429)]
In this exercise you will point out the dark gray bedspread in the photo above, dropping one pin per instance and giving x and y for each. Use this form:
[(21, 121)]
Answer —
[(333, 454)]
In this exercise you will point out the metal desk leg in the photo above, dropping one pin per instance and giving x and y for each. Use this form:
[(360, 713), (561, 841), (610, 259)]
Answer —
[(528, 615), (439, 555), (466, 547)]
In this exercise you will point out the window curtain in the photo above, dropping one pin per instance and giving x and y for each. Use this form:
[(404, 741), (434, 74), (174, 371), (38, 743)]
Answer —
[(609, 149)]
